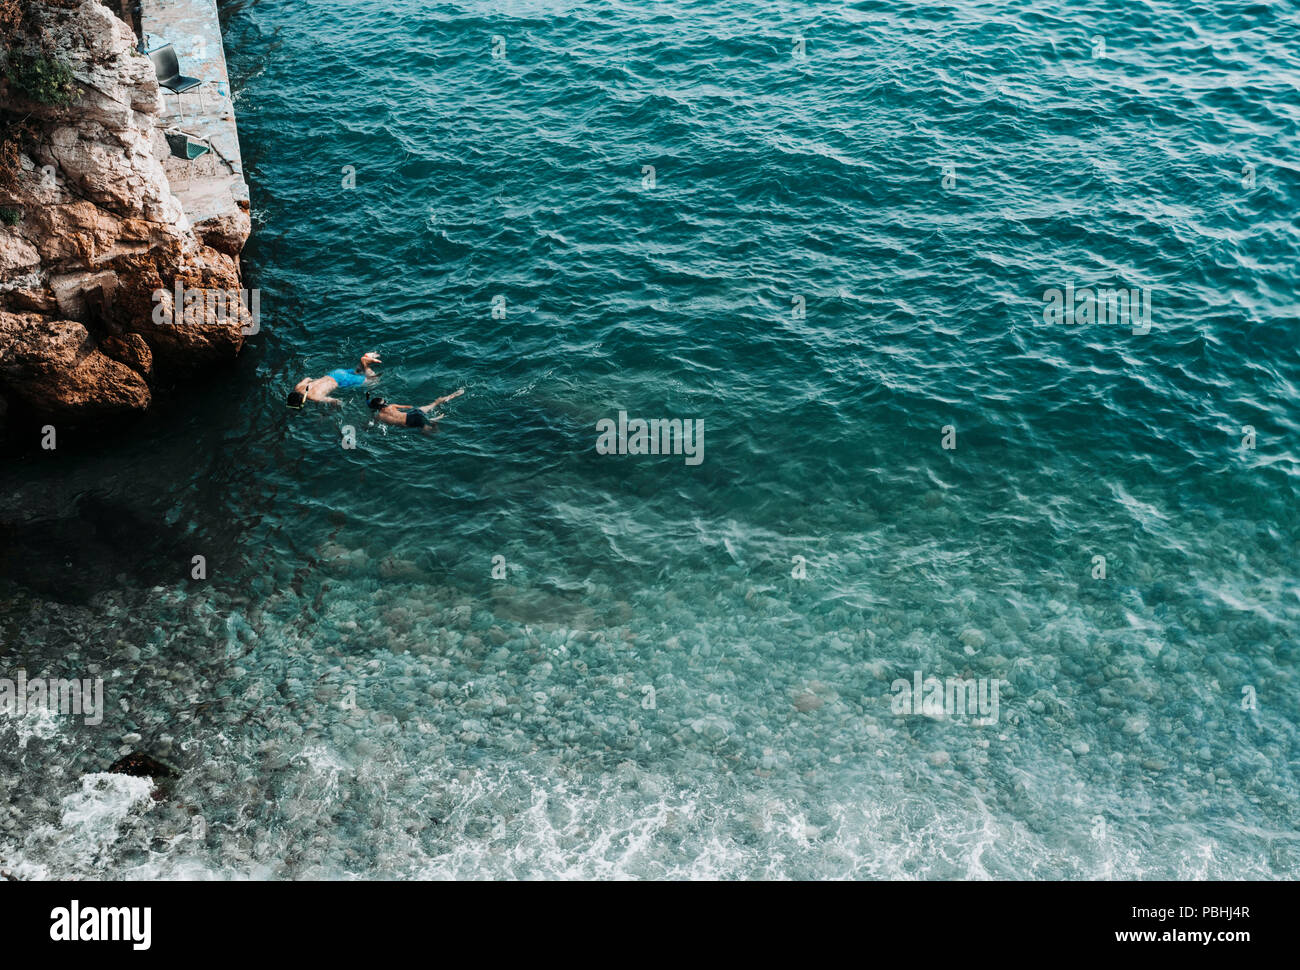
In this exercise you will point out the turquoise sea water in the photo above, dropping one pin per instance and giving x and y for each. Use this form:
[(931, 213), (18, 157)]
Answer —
[(350, 692)]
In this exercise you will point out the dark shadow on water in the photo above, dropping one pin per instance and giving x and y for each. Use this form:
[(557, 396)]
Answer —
[(99, 542), (130, 504)]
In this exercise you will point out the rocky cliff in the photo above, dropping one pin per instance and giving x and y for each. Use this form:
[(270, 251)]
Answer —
[(92, 239)]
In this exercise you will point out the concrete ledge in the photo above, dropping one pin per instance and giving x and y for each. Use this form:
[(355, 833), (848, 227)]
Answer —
[(211, 188)]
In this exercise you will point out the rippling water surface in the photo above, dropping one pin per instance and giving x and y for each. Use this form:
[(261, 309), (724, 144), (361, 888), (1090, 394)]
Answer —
[(649, 690)]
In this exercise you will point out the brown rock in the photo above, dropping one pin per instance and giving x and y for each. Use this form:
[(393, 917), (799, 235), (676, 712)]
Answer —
[(101, 231), (137, 764), (140, 765), (130, 349), (54, 367), (199, 334), (226, 234), (36, 301)]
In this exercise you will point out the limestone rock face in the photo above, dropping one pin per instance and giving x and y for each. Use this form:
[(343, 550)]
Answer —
[(99, 233)]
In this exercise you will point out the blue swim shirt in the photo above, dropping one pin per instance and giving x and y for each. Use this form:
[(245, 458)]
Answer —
[(346, 378)]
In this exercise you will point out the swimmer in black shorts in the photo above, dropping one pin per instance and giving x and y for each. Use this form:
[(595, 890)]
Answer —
[(407, 415)]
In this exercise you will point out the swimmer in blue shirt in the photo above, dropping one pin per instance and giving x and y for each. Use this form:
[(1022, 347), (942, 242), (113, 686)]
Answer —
[(320, 388)]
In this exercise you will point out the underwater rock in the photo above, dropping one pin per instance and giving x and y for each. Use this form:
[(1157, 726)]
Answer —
[(806, 701), (140, 765), (393, 568)]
